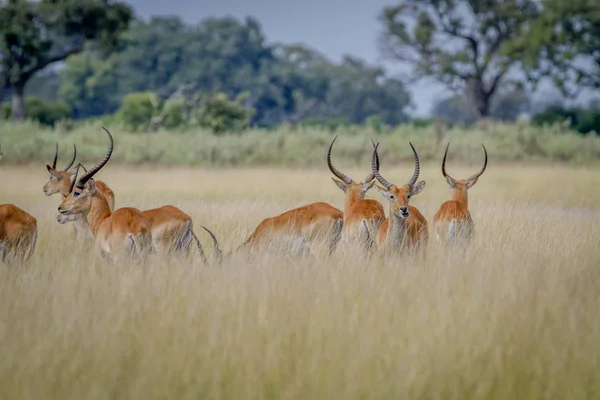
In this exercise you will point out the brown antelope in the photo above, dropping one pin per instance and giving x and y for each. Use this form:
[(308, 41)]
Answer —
[(356, 207), (310, 223), (18, 234), (60, 180), (124, 230), (453, 223), (405, 227), (172, 231)]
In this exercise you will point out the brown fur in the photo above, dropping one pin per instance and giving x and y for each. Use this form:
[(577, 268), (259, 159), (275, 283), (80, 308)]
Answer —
[(112, 231), (456, 209), (18, 233), (412, 229), (170, 226)]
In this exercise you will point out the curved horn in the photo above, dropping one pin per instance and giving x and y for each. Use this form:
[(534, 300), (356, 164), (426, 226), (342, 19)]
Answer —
[(55, 157), (415, 176), (375, 169), (72, 160), (477, 175), (333, 169), (88, 175), (74, 178), (370, 177), (444, 163)]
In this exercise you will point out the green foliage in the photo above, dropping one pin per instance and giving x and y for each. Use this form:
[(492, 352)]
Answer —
[(137, 110), (40, 110), (221, 114), (464, 45), (583, 120), (293, 146), (35, 34), (286, 84), (563, 44)]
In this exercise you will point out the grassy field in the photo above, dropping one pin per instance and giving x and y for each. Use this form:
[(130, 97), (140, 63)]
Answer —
[(515, 317), (26, 143)]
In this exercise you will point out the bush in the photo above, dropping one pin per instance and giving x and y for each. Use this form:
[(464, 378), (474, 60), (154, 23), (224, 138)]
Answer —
[(40, 110), (579, 119), (137, 110), (221, 114)]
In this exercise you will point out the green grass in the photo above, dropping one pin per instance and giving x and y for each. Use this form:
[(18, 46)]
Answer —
[(27, 143), (514, 317)]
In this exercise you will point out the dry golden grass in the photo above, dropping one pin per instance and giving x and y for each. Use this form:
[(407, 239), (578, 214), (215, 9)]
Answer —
[(514, 317)]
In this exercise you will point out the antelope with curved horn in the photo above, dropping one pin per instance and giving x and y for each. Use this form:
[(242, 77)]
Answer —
[(452, 222), (356, 207), (60, 180), (304, 225), (405, 227), (124, 230)]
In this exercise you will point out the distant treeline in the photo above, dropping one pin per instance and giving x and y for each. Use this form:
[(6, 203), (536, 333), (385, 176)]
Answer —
[(223, 73)]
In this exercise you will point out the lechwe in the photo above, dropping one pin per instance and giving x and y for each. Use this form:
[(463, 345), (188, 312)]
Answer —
[(453, 223), (295, 231), (60, 182), (405, 227), (124, 231), (356, 207)]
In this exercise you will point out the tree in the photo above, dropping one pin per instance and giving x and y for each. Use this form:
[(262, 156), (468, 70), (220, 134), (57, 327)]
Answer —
[(465, 45), (36, 34), (563, 44)]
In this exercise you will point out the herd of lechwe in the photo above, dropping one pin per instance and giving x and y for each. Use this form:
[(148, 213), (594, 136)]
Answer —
[(167, 230)]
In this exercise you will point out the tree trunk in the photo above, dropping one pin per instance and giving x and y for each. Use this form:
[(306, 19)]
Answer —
[(479, 97), (18, 103)]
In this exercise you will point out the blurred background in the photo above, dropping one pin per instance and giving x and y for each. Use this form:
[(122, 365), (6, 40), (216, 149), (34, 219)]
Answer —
[(236, 66)]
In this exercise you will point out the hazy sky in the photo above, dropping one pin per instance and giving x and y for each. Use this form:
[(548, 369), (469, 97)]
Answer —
[(333, 27)]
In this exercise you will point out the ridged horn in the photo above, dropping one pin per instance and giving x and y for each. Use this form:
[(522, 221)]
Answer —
[(88, 175), (333, 169), (72, 160), (370, 177), (444, 163), (477, 175), (55, 156), (375, 169), (74, 178), (415, 176)]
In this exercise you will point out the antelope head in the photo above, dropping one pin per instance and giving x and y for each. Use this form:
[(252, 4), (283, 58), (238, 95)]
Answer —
[(352, 189), (460, 187), (60, 179), (83, 189), (398, 196)]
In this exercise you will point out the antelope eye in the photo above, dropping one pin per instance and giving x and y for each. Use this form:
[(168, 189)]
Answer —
[(76, 194), (392, 197)]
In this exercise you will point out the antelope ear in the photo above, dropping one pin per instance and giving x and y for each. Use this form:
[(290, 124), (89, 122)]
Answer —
[(418, 188), (340, 184), (90, 186), (367, 186), (52, 171), (382, 191), (471, 183)]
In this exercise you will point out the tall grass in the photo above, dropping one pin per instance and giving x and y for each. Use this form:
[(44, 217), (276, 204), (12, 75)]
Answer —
[(300, 147), (514, 317)]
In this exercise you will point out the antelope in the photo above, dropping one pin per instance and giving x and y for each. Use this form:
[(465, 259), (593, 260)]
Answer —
[(18, 234), (356, 207), (123, 230), (405, 227), (453, 222), (309, 223), (60, 180)]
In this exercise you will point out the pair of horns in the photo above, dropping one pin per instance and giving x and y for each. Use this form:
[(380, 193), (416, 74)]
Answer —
[(70, 162), (475, 176), (89, 174), (382, 180), (343, 177)]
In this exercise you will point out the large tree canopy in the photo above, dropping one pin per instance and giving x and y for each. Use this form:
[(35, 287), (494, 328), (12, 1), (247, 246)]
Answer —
[(466, 45), (36, 34), (284, 84), (564, 45)]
